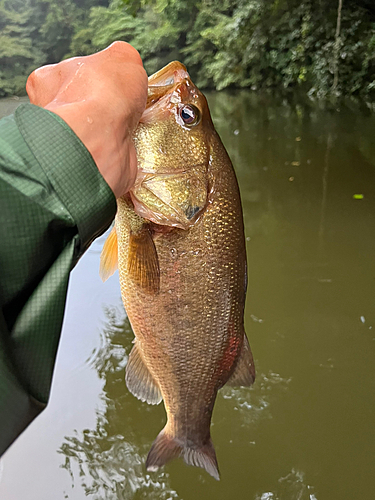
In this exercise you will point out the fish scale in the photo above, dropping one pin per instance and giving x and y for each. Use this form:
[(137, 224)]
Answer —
[(182, 278)]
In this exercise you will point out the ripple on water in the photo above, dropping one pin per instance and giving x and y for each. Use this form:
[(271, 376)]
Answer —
[(110, 468), (110, 355), (293, 486), (255, 402)]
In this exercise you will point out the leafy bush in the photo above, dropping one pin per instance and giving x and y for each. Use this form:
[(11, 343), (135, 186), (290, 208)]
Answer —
[(268, 44)]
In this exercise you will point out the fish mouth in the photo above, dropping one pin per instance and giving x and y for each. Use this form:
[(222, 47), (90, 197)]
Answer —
[(171, 84), (173, 73), (162, 82)]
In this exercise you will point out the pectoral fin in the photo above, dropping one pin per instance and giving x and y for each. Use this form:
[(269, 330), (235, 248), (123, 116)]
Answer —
[(143, 262), (109, 256), (139, 380), (244, 373)]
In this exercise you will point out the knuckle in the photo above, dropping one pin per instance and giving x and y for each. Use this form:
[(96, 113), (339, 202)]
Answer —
[(125, 50), (42, 83)]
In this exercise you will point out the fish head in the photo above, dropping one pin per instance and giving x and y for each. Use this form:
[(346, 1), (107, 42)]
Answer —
[(172, 142)]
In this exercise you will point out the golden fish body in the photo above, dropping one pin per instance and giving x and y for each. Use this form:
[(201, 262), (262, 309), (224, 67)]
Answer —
[(182, 264)]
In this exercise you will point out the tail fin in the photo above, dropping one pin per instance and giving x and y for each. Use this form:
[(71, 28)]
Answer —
[(204, 457), (165, 448)]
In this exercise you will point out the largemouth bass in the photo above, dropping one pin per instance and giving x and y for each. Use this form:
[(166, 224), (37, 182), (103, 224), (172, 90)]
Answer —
[(179, 245)]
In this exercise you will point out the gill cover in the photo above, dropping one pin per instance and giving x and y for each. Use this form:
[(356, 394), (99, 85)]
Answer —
[(173, 151)]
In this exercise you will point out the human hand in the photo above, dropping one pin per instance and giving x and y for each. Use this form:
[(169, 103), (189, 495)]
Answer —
[(101, 97)]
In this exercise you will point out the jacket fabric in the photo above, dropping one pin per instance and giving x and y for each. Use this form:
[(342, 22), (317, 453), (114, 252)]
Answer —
[(53, 204)]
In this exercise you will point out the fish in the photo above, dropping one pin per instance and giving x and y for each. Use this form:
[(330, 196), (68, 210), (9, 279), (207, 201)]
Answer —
[(178, 242)]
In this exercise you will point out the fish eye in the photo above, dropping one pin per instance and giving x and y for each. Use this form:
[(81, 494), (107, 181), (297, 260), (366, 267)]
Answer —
[(190, 114)]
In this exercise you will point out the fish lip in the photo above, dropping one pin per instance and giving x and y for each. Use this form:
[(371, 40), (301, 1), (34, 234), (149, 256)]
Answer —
[(174, 70)]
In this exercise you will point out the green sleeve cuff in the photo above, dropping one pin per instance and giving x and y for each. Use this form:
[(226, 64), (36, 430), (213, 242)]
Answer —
[(70, 169)]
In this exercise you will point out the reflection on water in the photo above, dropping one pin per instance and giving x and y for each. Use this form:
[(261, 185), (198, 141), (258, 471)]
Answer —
[(106, 464), (111, 468), (111, 355), (305, 430)]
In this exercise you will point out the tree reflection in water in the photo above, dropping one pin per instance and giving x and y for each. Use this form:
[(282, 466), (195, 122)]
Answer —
[(106, 460)]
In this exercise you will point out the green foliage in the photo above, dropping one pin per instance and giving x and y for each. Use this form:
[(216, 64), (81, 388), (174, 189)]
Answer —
[(17, 53), (35, 32), (261, 44)]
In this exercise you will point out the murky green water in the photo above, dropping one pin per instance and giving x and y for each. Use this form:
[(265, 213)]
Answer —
[(305, 431)]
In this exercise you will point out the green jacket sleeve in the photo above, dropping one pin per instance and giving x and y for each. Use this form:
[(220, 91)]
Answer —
[(53, 203)]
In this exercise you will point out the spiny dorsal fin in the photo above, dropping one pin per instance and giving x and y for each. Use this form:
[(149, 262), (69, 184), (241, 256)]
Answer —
[(139, 380), (109, 256), (244, 373), (143, 262)]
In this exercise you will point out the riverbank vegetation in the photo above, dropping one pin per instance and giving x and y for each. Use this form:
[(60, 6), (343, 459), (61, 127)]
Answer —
[(321, 47)]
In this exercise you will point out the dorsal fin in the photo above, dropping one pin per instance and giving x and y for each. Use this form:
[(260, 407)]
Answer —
[(109, 256)]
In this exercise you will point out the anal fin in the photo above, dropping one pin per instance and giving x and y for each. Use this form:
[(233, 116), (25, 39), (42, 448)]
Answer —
[(244, 372), (143, 262), (139, 380)]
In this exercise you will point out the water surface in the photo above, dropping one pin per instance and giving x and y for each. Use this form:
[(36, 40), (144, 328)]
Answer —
[(305, 431)]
